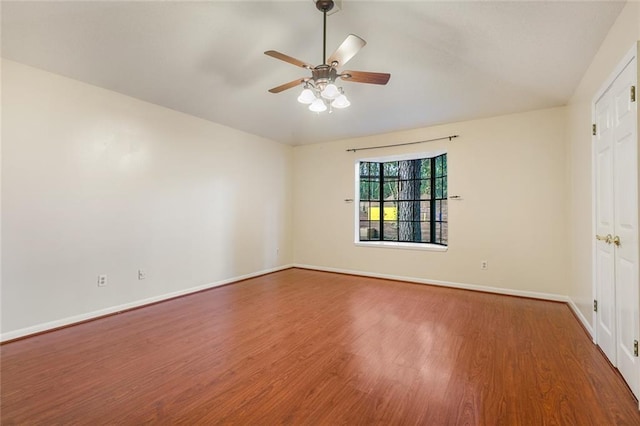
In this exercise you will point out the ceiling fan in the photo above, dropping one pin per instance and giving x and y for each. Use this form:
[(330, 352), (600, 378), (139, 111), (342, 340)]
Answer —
[(320, 91)]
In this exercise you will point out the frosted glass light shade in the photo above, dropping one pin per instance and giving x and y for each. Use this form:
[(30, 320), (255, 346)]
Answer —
[(341, 102), (306, 97), (330, 91), (318, 105)]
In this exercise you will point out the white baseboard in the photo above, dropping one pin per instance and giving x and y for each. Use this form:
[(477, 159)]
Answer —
[(582, 319), (39, 328), (474, 287)]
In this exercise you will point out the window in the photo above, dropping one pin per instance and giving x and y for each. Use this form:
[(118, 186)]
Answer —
[(403, 201)]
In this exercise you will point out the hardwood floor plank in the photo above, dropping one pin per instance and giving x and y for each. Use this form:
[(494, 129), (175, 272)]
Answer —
[(305, 347)]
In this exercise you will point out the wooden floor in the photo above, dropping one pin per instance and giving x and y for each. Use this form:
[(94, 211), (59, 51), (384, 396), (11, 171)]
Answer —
[(306, 347)]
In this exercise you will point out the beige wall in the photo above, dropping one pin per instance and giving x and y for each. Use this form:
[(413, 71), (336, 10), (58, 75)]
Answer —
[(621, 38), (94, 182), (510, 172)]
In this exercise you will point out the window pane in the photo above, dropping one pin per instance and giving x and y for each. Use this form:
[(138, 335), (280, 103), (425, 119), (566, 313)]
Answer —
[(425, 170), (439, 187), (372, 211), (409, 169), (364, 189), (369, 189), (444, 210), (403, 190), (444, 164), (425, 189), (409, 210), (364, 230), (369, 231), (391, 169), (410, 189), (426, 231), (390, 231), (390, 211), (390, 189), (425, 211), (364, 168), (409, 231), (439, 171), (445, 233), (363, 210), (375, 190), (439, 210), (374, 169), (375, 231)]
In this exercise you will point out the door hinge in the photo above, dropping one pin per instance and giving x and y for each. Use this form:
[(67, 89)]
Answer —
[(635, 347), (633, 93), (594, 130), (595, 305)]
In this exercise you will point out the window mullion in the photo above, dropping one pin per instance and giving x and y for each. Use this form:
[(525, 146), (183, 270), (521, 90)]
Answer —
[(432, 202), (380, 203)]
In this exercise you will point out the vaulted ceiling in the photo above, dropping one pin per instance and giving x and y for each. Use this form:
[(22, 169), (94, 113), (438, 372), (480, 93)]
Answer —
[(449, 61)]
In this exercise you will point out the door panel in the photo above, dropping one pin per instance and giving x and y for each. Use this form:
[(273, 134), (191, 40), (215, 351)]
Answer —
[(606, 304), (604, 191), (606, 318), (606, 336), (626, 224)]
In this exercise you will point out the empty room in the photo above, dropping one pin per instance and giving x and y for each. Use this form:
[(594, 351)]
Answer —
[(319, 212)]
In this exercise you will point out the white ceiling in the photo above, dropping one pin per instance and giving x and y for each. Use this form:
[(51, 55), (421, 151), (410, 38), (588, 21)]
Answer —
[(449, 61)]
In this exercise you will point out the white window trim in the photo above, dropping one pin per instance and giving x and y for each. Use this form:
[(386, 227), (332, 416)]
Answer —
[(356, 215), (404, 246)]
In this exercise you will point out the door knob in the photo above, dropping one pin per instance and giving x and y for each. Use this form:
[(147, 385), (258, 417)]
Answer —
[(616, 241), (608, 239)]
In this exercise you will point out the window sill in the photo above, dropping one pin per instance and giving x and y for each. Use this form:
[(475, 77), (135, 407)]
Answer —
[(404, 246)]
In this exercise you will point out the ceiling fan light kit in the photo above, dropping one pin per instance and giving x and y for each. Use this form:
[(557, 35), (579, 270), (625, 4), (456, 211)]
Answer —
[(307, 96), (341, 102), (318, 105), (320, 91)]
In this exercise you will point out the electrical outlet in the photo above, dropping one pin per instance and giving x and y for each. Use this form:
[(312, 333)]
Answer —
[(484, 265), (142, 274), (102, 280)]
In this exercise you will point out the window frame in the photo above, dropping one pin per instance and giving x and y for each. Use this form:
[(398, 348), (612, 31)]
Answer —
[(392, 244)]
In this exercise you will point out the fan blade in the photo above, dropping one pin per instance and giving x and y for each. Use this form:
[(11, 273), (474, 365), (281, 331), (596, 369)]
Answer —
[(287, 58), (347, 50), (366, 77), (288, 85)]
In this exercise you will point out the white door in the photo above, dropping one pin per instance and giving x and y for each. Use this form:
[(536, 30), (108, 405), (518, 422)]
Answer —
[(604, 261), (626, 223), (616, 220)]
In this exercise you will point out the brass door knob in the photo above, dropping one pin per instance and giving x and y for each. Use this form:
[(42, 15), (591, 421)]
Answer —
[(608, 239), (616, 241)]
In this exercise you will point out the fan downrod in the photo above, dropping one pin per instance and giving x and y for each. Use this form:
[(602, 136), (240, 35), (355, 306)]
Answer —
[(324, 5)]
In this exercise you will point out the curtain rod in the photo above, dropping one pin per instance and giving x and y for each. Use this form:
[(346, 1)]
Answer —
[(402, 144)]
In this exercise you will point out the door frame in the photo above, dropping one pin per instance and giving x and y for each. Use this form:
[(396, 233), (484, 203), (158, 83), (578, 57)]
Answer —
[(632, 54)]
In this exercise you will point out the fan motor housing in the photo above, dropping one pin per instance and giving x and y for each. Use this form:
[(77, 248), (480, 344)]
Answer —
[(324, 74)]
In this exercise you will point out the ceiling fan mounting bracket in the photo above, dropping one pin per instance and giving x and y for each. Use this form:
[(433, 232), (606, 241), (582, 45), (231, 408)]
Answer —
[(324, 5)]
